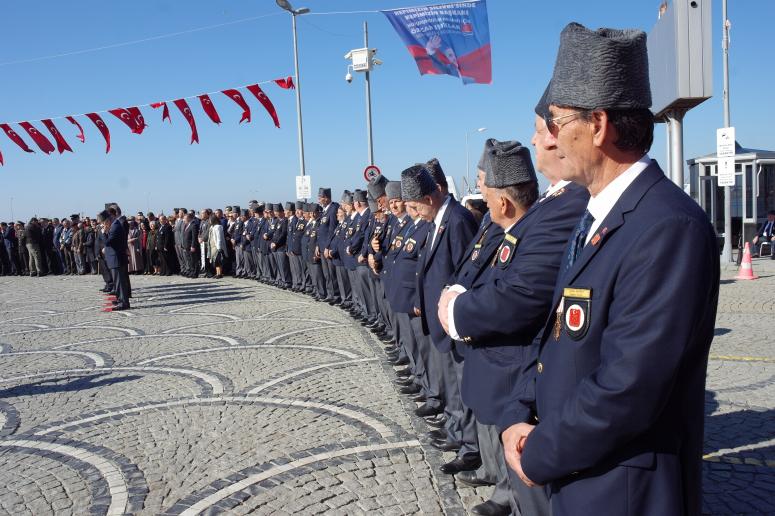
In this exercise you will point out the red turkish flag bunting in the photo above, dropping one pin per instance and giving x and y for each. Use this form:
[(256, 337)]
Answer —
[(1, 159), (207, 105), (94, 117), (15, 137), (137, 116), (264, 100), (40, 140), (123, 115), (236, 96), (183, 107), (286, 84), (75, 123), (62, 145), (165, 114)]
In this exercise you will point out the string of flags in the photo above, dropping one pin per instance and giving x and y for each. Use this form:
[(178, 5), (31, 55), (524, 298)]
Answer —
[(133, 118)]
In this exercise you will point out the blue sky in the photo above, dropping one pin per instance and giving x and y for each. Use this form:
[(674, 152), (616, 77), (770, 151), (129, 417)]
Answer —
[(415, 118)]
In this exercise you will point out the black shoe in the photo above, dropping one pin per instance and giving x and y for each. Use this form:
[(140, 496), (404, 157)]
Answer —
[(387, 339), (419, 398), (438, 422), (447, 446), (119, 307), (404, 373), (404, 382), (468, 462), (438, 434), (400, 361), (427, 410), (410, 389), (392, 355), (469, 478), (490, 508)]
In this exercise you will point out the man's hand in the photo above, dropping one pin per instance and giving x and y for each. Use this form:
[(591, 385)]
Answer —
[(361, 259), (193, 249), (514, 439), (433, 44), (446, 296), (375, 244), (317, 253), (417, 312), (272, 246)]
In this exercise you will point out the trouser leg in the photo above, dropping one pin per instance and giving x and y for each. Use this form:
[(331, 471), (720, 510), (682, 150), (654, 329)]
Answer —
[(430, 358), (494, 463), (461, 424), (531, 500), (332, 279), (343, 282)]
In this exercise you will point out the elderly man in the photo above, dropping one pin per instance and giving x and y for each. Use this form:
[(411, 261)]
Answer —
[(620, 376), (452, 228), (766, 233)]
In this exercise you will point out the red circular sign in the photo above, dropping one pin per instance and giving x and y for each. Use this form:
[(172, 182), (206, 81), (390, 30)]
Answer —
[(371, 172), (505, 253)]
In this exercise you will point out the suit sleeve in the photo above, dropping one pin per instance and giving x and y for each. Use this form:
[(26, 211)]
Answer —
[(642, 348)]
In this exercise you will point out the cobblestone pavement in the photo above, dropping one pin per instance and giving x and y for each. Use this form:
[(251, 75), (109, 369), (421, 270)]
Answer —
[(230, 396)]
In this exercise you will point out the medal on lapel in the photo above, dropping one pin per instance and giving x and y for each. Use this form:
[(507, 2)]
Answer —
[(409, 245), (475, 253)]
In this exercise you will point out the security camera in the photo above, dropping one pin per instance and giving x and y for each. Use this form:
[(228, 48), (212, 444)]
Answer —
[(348, 77)]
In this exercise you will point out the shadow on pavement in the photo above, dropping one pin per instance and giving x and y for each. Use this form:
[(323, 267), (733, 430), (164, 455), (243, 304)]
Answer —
[(77, 384)]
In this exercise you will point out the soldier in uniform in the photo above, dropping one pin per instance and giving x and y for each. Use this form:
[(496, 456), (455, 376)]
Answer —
[(249, 233), (621, 364), (270, 268), (255, 241), (353, 241), (236, 237)]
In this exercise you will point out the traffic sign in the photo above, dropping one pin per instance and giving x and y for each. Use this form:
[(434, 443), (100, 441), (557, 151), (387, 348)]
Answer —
[(725, 142), (726, 171), (303, 187), (371, 172)]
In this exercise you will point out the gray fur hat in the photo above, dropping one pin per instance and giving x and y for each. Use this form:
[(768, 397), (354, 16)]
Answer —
[(602, 69), (437, 173), (278, 208), (393, 190), (542, 108), (373, 206), (416, 183), (324, 192), (300, 205), (290, 206), (347, 194), (359, 196), (507, 164), (376, 186)]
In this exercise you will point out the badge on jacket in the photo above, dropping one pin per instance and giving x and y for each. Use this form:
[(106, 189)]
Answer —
[(409, 247), (506, 251), (573, 312)]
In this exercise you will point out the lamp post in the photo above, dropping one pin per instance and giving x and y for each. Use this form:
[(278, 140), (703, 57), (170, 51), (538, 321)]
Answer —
[(286, 5), (726, 255), (468, 163)]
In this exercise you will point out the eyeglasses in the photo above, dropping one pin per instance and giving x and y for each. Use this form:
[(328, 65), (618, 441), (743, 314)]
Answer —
[(553, 127)]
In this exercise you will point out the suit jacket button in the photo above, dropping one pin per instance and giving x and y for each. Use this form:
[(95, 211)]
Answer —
[(540, 368)]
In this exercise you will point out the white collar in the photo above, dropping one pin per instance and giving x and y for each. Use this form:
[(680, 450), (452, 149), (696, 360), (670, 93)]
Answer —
[(440, 214), (601, 204), (556, 186)]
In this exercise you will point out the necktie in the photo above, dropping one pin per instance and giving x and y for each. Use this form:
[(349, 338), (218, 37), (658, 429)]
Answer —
[(578, 241)]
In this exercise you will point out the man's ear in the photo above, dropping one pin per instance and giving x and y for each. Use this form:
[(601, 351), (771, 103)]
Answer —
[(600, 127)]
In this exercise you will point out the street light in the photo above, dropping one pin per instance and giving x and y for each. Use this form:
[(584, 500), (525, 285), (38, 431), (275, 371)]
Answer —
[(286, 5), (468, 163)]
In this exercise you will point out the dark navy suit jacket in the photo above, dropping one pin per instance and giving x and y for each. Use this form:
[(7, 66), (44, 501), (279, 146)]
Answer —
[(116, 246), (620, 403), (326, 226), (509, 300), (401, 287), (437, 265)]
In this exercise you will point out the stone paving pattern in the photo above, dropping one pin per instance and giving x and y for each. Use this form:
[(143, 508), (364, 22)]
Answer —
[(230, 396)]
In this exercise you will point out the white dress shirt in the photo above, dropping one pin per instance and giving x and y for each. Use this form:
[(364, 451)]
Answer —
[(438, 219), (602, 204), (553, 188)]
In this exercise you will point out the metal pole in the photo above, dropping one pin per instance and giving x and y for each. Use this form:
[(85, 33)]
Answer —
[(468, 165), (675, 121), (302, 168), (726, 255), (368, 93)]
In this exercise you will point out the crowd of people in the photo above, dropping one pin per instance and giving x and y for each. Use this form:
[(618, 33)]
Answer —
[(542, 341)]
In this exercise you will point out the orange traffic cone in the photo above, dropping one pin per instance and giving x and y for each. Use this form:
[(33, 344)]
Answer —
[(746, 268)]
